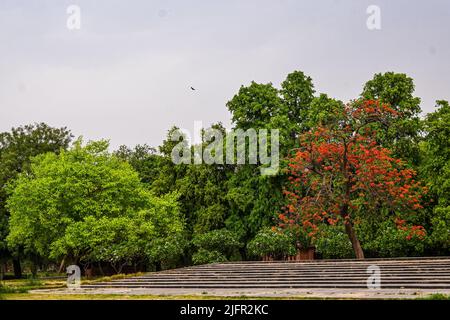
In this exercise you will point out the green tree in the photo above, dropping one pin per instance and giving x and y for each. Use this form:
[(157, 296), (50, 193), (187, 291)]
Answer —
[(168, 173), (401, 135), (341, 175), (143, 159), (16, 148), (322, 111), (201, 187), (274, 243), (254, 106), (87, 205), (436, 172), (254, 199), (297, 92), (215, 246)]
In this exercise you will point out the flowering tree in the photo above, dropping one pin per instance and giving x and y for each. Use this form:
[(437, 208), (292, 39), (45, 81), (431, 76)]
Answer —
[(341, 175)]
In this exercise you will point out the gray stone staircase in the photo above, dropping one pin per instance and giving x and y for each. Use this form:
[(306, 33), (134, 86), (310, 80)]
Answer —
[(420, 273)]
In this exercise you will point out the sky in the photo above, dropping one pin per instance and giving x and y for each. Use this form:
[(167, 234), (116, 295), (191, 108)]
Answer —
[(125, 74)]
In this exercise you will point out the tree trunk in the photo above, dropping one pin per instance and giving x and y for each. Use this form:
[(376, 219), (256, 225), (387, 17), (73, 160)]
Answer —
[(62, 265), (2, 271), (17, 269), (359, 254), (101, 269)]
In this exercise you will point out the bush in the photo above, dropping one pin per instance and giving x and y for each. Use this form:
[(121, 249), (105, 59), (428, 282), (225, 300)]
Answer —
[(333, 243), (203, 256), (270, 242), (391, 241), (215, 246), (440, 236), (167, 251)]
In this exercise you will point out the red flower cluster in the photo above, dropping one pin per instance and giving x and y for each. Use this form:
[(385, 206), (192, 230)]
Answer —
[(340, 170)]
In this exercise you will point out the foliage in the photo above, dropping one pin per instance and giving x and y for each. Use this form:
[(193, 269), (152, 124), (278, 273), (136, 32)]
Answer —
[(203, 190), (436, 172), (255, 105), (221, 241), (394, 238), (402, 134), (143, 159), (323, 111), (16, 149), (333, 243), (297, 93), (270, 242), (253, 199), (203, 256), (90, 205), (340, 174)]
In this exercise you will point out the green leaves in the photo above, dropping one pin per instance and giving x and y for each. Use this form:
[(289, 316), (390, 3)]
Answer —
[(271, 242), (88, 204), (215, 246), (255, 105), (435, 167), (17, 147), (297, 92), (402, 135)]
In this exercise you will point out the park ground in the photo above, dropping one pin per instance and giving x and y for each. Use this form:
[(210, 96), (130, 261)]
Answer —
[(55, 289)]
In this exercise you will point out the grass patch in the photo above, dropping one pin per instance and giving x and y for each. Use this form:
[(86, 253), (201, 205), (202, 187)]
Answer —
[(74, 296), (436, 296), (8, 289), (24, 285), (113, 277)]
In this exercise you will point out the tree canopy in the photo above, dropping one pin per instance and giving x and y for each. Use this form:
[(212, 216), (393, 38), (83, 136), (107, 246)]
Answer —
[(369, 178), (340, 174), (89, 205)]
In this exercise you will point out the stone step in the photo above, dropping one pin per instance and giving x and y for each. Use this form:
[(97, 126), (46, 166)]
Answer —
[(278, 285), (444, 266), (404, 273), (288, 281), (310, 265), (307, 266), (337, 278), (284, 275), (320, 262), (339, 261)]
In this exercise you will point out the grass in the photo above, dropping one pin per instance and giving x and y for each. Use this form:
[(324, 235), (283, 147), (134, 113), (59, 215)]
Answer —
[(36, 296), (437, 296), (24, 295), (113, 277), (19, 288), (23, 286)]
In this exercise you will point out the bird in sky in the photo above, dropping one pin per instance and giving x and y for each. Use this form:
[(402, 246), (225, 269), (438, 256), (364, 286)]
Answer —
[(192, 88)]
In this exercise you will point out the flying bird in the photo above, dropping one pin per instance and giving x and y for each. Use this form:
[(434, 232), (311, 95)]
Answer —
[(192, 88)]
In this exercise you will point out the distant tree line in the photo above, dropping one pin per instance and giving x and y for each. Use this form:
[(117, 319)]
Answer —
[(369, 178)]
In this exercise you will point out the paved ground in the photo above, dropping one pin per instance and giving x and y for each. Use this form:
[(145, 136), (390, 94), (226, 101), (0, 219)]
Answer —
[(401, 279), (300, 293)]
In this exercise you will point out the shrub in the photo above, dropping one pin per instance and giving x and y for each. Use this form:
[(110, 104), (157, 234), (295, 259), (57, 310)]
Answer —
[(271, 242), (203, 256), (333, 243), (394, 240), (214, 246)]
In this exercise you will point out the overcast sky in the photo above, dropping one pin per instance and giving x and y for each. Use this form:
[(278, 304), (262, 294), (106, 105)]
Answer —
[(126, 74)]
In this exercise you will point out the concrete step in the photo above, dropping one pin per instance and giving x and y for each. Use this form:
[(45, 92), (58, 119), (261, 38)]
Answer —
[(279, 286), (331, 281), (291, 274), (291, 279), (402, 273)]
